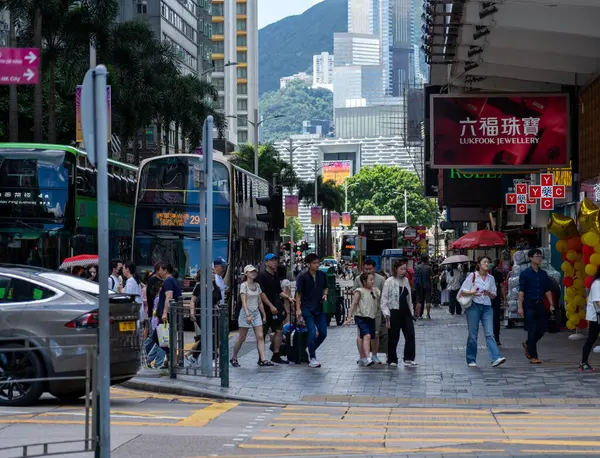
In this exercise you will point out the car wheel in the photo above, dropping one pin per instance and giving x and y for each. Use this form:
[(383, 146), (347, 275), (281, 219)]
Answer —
[(19, 365)]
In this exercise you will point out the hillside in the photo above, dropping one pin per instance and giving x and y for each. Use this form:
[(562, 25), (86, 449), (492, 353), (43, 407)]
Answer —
[(287, 46)]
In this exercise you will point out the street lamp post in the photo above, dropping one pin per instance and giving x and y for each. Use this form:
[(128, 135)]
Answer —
[(214, 67)]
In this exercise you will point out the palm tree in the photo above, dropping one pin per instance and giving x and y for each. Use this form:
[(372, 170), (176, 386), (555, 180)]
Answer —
[(270, 165), (329, 195)]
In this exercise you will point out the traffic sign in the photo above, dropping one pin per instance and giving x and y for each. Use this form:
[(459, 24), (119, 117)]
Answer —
[(19, 65)]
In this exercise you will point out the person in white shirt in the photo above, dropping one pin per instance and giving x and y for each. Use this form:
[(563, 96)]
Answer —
[(133, 286), (220, 268), (591, 315), (453, 280), (482, 287)]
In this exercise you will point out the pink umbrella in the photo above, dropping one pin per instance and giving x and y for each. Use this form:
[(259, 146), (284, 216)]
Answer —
[(83, 260)]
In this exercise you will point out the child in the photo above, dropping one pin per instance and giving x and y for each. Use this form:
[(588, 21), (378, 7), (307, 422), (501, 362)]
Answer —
[(365, 302)]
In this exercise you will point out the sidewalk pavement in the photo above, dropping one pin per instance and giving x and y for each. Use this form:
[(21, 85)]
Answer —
[(442, 378)]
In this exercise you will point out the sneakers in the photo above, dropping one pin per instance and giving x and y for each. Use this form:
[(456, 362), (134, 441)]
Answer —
[(376, 360), (393, 364), (278, 359), (314, 363), (410, 364), (585, 367), (472, 364), (365, 362), (499, 362)]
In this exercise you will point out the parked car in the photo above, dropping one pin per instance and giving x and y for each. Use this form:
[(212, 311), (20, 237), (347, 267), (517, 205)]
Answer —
[(57, 315)]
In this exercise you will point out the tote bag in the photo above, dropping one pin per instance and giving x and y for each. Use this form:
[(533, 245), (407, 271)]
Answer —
[(466, 301)]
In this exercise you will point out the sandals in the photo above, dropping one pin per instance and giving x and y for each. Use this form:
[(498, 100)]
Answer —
[(234, 362), (265, 363)]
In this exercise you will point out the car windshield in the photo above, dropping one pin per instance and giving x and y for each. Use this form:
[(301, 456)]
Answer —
[(79, 284)]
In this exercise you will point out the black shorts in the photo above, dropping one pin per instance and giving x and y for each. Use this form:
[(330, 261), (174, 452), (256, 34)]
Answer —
[(423, 295), (273, 325)]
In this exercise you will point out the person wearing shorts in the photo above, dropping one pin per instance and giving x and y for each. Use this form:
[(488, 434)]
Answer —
[(252, 316), (365, 302)]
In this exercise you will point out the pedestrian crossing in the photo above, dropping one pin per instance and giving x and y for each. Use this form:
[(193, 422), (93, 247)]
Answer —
[(323, 431)]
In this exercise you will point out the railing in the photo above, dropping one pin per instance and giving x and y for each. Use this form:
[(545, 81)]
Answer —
[(46, 352)]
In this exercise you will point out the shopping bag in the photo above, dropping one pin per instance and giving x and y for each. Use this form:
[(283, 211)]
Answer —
[(162, 332)]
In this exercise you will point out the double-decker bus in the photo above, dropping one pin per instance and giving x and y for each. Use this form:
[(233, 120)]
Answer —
[(381, 233), (48, 206), (167, 217), (348, 248)]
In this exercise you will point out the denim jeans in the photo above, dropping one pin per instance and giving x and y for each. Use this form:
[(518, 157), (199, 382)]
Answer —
[(475, 314), (315, 321)]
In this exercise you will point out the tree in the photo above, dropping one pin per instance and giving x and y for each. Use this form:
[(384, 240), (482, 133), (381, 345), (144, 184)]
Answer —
[(379, 190), (298, 230), (269, 164), (296, 103), (329, 195)]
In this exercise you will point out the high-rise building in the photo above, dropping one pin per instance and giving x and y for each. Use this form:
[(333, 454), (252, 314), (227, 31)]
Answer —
[(356, 49), (323, 70), (362, 16), (235, 41)]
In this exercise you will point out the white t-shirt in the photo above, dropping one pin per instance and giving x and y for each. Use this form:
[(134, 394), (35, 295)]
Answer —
[(594, 296), (251, 295)]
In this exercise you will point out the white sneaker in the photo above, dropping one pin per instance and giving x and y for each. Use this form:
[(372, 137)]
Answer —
[(361, 362), (498, 362), (410, 364), (314, 363), (369, 362), (376, 360), (473, 364), (393, 364)]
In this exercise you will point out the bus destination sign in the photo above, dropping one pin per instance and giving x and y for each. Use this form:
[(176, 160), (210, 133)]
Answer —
[(176, 219)]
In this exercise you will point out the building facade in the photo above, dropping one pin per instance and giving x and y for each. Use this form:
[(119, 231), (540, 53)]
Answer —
[(323, 65), (235, 58), (302, 76)]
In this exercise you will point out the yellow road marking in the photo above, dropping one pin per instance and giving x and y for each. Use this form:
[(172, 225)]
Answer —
[(559, 452), (382, 420), (81, 422), (381, 451), (204, 416), (395, 408), (370, 450), (458, 429)]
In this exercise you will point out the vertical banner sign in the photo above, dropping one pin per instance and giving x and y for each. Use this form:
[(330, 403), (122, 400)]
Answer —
[(335, 219), (291, 206), (346, 220), (337, 171), (316, 215), (78, 132)]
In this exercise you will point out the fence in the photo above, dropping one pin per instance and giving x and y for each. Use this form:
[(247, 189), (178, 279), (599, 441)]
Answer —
[(179, 364), (44, 357)]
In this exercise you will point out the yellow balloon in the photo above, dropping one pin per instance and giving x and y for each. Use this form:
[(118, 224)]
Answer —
[(570, 325), (571, 307), (571, 255), (578, 284), (561, 246), (597, 248), (590, 238), (579, 300), (567, 268), (587, 217), (591, 270), (595, 259), (575, 319), (570, 292), (562, 226), (579, 266)]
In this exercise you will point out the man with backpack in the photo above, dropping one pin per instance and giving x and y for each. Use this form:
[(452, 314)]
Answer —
[(116, 270)]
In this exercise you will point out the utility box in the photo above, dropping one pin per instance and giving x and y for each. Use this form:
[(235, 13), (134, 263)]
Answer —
[(329, 306)]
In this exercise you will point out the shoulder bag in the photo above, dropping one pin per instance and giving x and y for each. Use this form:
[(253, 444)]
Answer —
[(466, 301)]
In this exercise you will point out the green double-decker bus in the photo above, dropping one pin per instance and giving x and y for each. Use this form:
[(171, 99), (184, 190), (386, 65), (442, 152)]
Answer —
[(48, 207)]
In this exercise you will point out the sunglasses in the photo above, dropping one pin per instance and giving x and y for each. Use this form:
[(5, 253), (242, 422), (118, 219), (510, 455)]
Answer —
[(373, 295)]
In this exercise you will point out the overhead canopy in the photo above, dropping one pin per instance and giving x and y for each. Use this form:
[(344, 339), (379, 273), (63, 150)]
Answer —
[(512, 45)]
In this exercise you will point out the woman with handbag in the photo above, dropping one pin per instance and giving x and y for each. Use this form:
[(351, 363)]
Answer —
[(398, 310), (591, 315), (475, 296)]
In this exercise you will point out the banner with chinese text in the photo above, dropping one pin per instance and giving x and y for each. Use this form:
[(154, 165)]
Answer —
[(335, 219), (337, 171), (291, 206), (316, 215), (495, 131), (346, 219)]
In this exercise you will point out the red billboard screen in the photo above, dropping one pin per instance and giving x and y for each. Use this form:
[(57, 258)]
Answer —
[(494, 131)]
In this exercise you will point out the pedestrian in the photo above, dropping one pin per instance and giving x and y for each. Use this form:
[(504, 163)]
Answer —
[(436, 294), (115, 280), (93, 274), (272, 298), (481, 287), (220, 268), (534, 285), (454, 281), (170, 291), (380, 328), (133, 286), (365, 303), (397, 307), (311, 293), (78, 271), (591, 315), (422, 283), (252, 316), (498, 300)]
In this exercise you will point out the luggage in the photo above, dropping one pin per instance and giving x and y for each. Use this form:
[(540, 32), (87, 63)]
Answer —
[(297, 341)]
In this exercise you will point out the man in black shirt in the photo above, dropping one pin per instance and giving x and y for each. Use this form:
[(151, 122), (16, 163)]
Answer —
[(271, 296)]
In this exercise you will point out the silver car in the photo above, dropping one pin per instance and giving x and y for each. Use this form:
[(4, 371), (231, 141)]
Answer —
[(56, 314)]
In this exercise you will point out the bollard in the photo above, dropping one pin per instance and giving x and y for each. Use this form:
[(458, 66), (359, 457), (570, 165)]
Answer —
[(172, 340), (224, 346)]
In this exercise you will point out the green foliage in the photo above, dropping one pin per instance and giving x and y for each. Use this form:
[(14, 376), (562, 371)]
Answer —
[(329, 195), (296, 103), (269, 164), (287, 46), (379, 190), (298, 230)]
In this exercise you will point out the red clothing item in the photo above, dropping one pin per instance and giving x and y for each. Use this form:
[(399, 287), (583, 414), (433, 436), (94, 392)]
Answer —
[(410, 274)]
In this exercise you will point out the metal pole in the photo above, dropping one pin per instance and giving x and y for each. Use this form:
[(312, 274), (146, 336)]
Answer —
[(292, 254), (92, 52), (205, 262), (345, 196), (405, 208), (208, 154), (316, 204), (224, 346), (256, 125), (101, 148)]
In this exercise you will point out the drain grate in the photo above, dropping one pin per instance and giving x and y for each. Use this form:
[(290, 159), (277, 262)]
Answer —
[(511, 413)]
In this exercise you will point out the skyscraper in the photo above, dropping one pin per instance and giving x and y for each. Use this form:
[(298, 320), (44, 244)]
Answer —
[(323, 70), (362, 16), (235, 40)]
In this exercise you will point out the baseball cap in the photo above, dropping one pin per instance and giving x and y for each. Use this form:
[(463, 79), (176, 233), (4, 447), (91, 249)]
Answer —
[(220, 262), (270, 257), (250, 268)]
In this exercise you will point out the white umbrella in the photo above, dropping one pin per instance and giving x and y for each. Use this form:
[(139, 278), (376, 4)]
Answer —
[(458, 258)]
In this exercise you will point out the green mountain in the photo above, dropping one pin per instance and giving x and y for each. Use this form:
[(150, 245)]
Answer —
[(287, 46)]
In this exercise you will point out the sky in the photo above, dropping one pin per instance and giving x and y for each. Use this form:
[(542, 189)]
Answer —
[(270, 11)]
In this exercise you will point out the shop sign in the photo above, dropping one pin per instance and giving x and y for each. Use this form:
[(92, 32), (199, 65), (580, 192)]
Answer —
[(546, 193)]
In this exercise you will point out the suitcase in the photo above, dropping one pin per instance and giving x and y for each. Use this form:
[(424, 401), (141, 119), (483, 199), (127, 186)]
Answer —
[(297, 342)]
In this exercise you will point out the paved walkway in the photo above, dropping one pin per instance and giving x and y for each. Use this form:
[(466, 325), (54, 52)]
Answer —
[(443, 377)]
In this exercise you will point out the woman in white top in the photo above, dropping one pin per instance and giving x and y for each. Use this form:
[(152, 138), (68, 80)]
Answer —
[(453, 279), (365, 303), (252, 316), (482, 287), (133, 286), (591, 315), (399, 312)]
